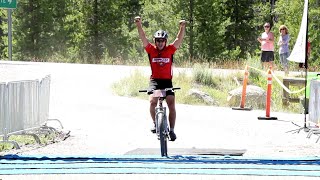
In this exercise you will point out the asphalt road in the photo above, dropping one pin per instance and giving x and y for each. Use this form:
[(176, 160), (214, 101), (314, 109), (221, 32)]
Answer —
[(102, 123)]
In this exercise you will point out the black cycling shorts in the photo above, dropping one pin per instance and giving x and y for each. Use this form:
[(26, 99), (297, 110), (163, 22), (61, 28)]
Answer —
[(161, 84), (267, 56)]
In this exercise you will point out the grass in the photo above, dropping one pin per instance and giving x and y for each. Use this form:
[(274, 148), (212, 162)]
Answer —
[(215, 86), (25, 140), (130, 87)]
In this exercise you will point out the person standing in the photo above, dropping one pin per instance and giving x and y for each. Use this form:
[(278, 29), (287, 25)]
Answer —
[(161, 61), (284, 51), (267, 46)]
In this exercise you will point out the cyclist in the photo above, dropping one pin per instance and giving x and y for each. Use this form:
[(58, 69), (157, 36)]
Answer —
[(161, 58)]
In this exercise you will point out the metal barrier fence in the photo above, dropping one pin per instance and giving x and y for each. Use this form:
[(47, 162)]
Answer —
[(3, 108), (44, 98), (314, 102), (314, 108), (24, 105)]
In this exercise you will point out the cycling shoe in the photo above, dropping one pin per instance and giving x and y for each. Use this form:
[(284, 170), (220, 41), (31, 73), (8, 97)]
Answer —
[(172, 136)]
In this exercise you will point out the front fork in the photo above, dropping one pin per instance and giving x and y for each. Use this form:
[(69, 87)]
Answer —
[(160, 111)]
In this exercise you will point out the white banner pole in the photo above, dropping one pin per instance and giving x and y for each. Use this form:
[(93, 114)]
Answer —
[(299, 50)]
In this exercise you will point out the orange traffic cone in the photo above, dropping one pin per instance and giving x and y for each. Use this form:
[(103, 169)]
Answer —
[(268, 98), (244, 92)]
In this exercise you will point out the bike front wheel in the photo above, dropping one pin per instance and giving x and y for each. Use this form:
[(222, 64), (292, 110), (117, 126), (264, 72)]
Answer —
[(162, 134)]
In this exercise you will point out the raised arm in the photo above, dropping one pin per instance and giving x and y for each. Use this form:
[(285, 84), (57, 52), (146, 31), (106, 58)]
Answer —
[(182, 28), (142, 35)]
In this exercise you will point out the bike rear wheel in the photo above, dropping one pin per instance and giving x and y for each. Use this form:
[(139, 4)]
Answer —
[(162, 134)]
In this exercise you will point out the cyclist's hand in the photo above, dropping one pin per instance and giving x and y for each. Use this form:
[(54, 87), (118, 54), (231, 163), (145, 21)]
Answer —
[(137, 19), (183, 22)]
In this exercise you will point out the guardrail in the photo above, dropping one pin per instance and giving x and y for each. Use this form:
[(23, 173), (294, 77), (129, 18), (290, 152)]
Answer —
[(24, 106)]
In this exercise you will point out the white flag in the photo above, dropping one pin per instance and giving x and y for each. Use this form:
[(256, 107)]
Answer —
[(299, 50)]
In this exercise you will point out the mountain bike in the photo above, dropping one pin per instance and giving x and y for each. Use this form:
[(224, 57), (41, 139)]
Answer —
[(161, 120)]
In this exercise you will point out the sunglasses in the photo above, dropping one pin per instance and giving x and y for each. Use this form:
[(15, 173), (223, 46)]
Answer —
[(266, 26), (160, 40), (282, 29)]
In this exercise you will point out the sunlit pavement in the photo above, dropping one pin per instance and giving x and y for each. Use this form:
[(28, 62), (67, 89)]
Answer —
[(106, 125)]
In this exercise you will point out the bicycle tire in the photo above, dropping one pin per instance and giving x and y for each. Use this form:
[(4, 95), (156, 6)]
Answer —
[(162, 134)]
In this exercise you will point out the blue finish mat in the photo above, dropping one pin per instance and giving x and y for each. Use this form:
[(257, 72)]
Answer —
[(152, 164)]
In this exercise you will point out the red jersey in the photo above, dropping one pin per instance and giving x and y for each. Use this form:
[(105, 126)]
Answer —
[(161, 61)]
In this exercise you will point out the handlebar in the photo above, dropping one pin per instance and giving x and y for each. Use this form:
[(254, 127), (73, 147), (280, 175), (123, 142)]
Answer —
[(166, 89)]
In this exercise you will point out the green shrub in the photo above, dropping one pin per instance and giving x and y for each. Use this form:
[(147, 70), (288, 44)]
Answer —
[(203, 75)]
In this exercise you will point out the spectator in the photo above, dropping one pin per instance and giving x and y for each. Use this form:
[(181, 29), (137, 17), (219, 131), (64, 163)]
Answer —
[(267, 46), (284, 51)]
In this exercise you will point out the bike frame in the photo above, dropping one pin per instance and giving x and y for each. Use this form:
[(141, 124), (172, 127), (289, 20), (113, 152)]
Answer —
[(162, 127), (160, 109)]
